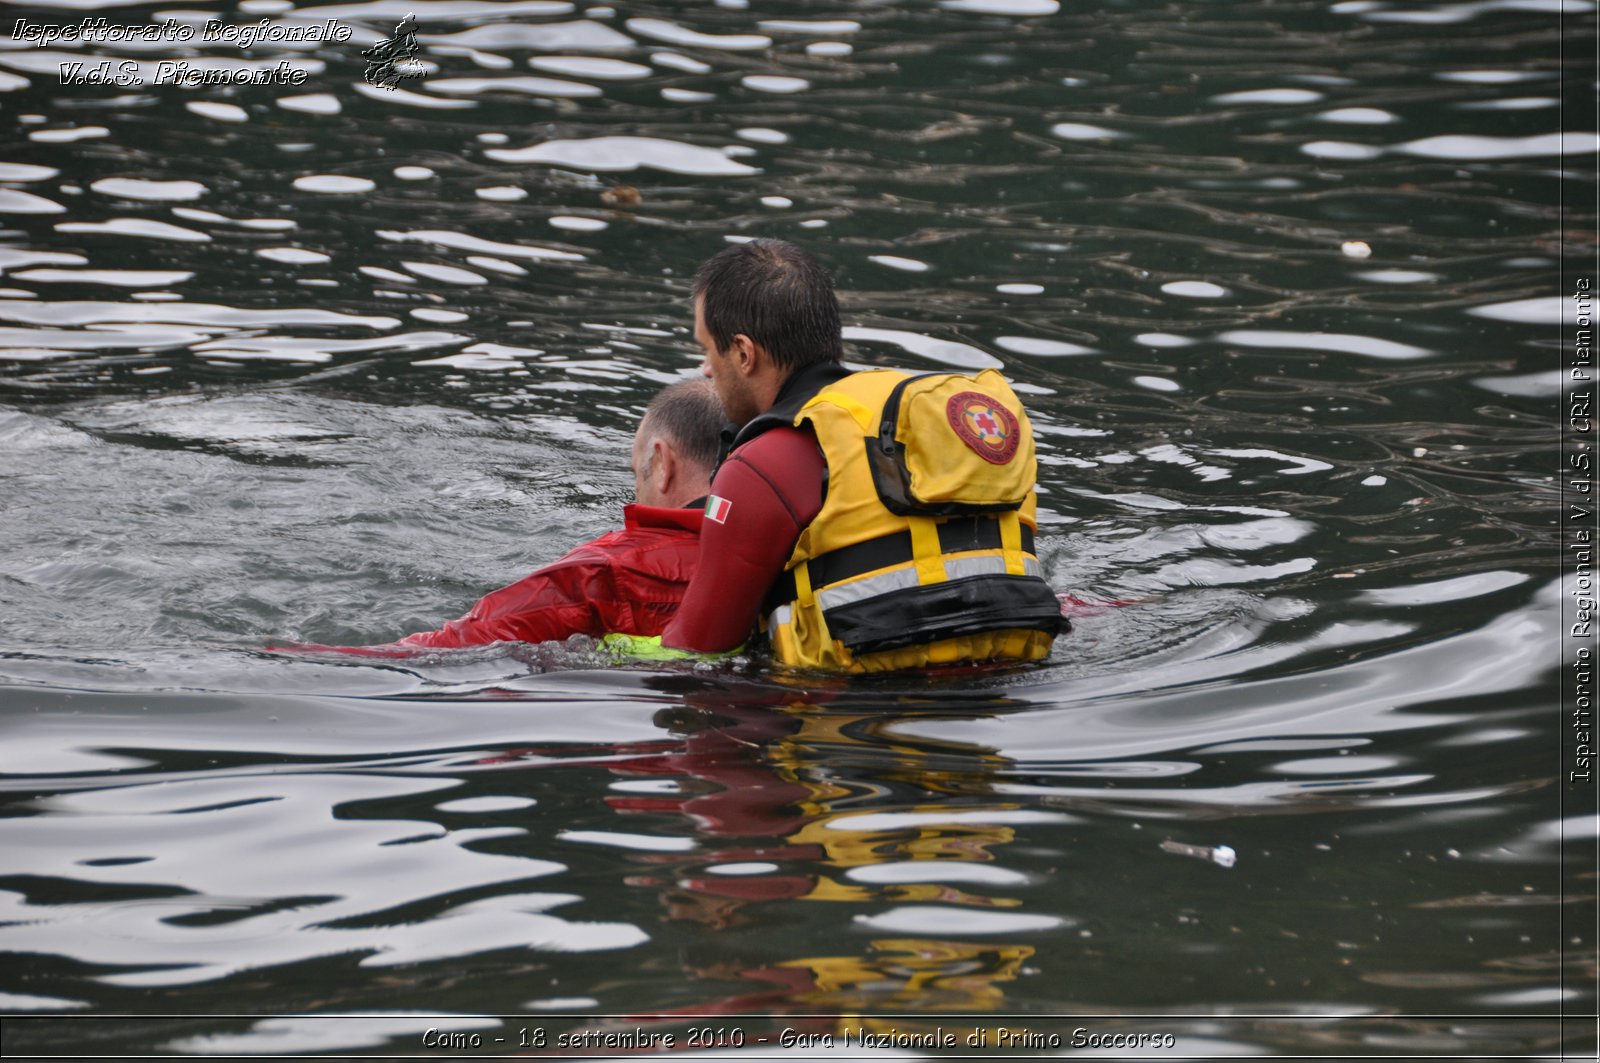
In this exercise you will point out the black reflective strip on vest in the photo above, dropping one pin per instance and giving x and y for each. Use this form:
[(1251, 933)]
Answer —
[(955, 535), (973, 605)]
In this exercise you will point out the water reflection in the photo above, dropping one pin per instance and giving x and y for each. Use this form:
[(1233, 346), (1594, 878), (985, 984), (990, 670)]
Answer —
[(185, 894), (804, 800)]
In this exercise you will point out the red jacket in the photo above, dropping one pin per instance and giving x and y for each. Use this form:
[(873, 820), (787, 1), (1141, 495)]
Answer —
[(630, 580)]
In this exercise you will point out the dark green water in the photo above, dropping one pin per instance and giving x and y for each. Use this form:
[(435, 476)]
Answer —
[(1283, 285)]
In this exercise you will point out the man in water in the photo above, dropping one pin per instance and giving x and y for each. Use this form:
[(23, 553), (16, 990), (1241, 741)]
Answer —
[(847, 571), (628, 581)]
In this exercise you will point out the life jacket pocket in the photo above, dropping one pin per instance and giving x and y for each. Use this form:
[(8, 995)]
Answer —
[(951, 444)]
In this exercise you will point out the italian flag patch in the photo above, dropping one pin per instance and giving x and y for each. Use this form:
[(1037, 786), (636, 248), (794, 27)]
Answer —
[(717, 509)]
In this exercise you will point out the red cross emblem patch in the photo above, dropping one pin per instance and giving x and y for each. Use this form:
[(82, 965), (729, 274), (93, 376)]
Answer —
[(986, 427)]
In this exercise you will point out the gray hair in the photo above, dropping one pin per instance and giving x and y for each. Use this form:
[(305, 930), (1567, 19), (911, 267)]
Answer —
[(690, 415)]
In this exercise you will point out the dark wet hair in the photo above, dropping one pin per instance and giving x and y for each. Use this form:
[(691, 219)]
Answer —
[(690, 414), (775, 293)]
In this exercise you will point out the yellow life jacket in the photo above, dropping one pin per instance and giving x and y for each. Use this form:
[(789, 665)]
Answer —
[(922, 553)]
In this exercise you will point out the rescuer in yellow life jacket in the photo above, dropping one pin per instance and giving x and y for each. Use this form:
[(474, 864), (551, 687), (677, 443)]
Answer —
[(870, 520)]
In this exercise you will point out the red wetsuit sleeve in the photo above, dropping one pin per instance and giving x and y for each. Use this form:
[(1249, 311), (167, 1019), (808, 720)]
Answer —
[(772, 487)]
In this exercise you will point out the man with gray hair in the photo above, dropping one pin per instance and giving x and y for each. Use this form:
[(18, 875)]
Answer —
[(629, 581)]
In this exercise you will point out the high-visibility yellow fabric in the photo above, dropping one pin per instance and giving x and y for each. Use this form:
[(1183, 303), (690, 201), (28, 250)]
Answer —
[(995, 467), (987, 468), (625, 647)]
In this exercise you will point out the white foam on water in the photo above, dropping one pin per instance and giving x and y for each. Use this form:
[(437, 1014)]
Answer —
[(120, 278), (334, 184), (24, 173), (485, 804), (1359, 116), (947, 352), (1475, 147), (938, 920), (1195, 289), (660, 29), (908, 265), (155, 191), (822, 27), (591, 67), (777, 84), (294, 255), (762, 135), (501, 193), (407, 98), (1158, 383), (464, 242), (1540, 310), (1323, 341), (312, 103), (445, 274), (1014, 8), (576, 224), (623, 153), (644, 843), (15, 201), (219, 112), (678, 61), (1042, 347), (1269, 96), (1084, 131)]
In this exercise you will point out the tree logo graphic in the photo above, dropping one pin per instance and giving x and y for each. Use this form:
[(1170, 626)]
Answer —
[(391, 61)]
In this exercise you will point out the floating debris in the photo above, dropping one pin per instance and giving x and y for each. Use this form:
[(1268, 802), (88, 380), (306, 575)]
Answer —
[(1221, 855)]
